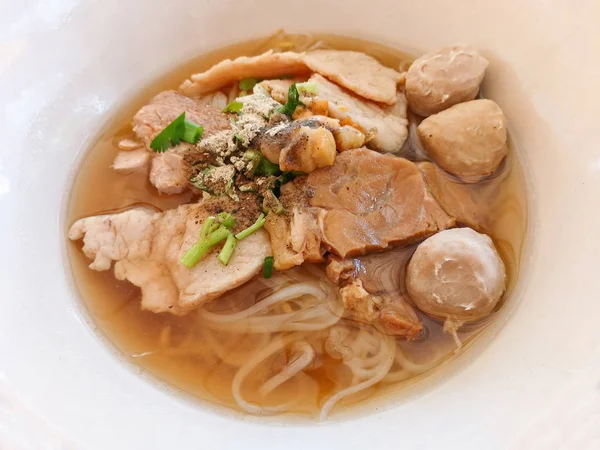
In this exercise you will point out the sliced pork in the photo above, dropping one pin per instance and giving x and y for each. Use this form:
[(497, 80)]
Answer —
[(267, 65), (360, 73), (146, 247), (387, 124)]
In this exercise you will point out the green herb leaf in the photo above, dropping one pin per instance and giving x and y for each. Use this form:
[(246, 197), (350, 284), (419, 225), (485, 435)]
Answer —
[(173, 133), (292, 103), (268, 267), (193, 132), (247, 84), (234, 107)]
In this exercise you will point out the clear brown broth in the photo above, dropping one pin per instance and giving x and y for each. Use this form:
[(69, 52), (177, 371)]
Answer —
[(114, 305)]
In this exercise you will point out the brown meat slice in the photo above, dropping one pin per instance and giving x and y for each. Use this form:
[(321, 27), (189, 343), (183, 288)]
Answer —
[(146, 247), (373, 290), (372, 201), (360, 73), (295, 235), (388, 123), (267, 65), (163, 109), (469, 204), (169, 171)]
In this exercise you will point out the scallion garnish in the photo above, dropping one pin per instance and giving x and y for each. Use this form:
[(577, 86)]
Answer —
[(226, 219), (228, 249), (200, 248), (178, 130), (268, 267), (193, 132), (310, 87), (234, 107), (266, 168), (252, 228), (292, 103), (247, 84)]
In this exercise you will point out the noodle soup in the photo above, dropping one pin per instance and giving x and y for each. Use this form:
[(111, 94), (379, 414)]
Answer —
[(290, 343)]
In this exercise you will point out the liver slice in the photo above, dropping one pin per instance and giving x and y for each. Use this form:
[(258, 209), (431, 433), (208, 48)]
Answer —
[(371, 201)]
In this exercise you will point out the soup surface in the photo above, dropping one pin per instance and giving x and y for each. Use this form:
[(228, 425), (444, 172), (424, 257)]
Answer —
[(305, 353)]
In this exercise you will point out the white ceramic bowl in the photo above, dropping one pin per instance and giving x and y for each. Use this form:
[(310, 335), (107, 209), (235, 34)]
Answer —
[(65, 65)]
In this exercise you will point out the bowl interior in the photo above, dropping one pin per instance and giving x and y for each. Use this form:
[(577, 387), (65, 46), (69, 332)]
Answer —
[(63, 73)]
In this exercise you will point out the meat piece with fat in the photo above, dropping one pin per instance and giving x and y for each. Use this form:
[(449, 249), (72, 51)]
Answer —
[(146, 247)]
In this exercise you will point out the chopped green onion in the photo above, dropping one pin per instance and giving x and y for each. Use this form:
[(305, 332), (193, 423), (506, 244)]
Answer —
[(252, 228), (207, 227), (226, 219), (234, 107), (266, 168), (247, 84), (173, 133), (292, 103), (272, 203), (228, 249), (268, 267), (200, 248), (310, 87), (214, 227), (193, 132)]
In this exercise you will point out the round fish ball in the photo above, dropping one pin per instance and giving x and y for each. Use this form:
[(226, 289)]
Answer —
[(467, 140), (456, 274), (443, 78)]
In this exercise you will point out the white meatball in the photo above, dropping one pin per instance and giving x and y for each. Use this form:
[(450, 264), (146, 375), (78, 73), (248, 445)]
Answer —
[(443, 78), (456, 274), (467, 140)]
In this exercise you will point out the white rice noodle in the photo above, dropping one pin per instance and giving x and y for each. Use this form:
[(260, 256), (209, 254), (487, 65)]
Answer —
[(236, 352), (307, 355), (276, 345), (373, 356), (319, 309)]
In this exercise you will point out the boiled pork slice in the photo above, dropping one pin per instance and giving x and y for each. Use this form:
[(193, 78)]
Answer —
[(358, 72), (372, 201), (129, 161), (169, 171), (266, 65), (164, 108), (146, 247), (388, 123)]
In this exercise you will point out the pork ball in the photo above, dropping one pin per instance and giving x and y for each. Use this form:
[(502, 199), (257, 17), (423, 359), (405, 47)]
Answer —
[(440, 79), (467, 140), (456, 274)]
